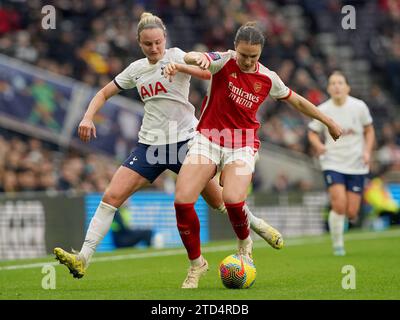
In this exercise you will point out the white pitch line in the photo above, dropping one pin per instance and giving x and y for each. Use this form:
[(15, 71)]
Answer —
[(172, 252)]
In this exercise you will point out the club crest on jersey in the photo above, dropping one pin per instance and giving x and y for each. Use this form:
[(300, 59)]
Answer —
[(214, 55), (163, 65), (257, 86)]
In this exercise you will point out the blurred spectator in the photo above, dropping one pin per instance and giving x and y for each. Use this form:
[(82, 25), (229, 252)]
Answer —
[(9, 19), (124, 235), (9, 182), (380, 201), (388, 155), (281, 183), (27, 180)]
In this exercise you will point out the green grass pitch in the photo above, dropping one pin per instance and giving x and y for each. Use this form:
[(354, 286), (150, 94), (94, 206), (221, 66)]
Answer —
[(304, 269)]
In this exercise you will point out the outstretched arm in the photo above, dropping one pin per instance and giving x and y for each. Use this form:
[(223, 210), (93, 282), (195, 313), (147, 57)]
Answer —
[(86, 127), (198, 59), (309, 109)]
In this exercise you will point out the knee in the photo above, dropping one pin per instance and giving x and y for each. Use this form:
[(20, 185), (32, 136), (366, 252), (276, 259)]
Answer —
[(182, 195), (339, 206), (113, 198), (233, 197)]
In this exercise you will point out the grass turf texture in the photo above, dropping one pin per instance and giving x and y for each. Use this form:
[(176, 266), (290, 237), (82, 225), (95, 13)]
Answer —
[(304, 269)]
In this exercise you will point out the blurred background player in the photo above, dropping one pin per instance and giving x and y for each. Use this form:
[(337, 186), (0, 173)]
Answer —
[(168, 124), (227, 138), (345, 162), (126, 236)]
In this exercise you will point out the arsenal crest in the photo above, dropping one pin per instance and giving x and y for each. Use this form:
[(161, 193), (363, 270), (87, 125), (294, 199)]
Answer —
[(257, 86)]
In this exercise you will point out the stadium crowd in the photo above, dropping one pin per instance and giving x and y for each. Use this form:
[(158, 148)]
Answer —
[(28, 164), (96, 39), (32, 165)]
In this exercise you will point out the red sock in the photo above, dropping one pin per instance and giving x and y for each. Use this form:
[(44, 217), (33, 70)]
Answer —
[(238, 219), (189, 228)]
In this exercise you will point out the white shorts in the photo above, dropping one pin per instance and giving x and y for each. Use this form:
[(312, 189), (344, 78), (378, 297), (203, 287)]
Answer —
[(221, 156)]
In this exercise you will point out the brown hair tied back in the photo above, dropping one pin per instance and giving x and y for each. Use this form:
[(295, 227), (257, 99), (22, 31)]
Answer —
[(250, 33)]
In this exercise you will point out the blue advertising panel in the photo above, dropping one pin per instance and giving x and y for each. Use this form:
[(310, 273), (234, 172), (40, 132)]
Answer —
[(151, 210), (394, 188)]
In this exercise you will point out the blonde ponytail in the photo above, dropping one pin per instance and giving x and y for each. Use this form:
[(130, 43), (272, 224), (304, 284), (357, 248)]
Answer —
[(150, 21)]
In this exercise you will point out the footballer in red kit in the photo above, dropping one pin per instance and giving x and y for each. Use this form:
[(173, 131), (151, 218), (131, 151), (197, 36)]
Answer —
[(226, 135)]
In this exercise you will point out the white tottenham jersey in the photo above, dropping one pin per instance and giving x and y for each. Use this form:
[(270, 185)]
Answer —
[(169, 116), (345, 154)]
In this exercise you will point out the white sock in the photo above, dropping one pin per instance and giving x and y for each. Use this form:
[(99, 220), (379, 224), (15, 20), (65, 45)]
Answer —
[(336, 227), (198, 262), (98, 228), (253, 220), (244, 243)]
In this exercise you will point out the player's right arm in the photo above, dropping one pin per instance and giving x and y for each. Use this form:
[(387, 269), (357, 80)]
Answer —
[(86, 128)]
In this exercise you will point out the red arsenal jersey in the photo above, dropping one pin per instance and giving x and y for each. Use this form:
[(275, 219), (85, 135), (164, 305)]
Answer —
[(228, 115)]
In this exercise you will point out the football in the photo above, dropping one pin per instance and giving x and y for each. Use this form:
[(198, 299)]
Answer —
[(237, 272)]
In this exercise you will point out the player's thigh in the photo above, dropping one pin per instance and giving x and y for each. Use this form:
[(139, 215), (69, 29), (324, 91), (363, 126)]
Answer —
[(354, 187), (235, 181), (212, 194), (124, 182), (353, 204), (337, 195), (193, 176)]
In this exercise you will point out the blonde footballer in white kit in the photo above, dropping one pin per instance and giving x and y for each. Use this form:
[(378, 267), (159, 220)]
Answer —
[(345, 162)]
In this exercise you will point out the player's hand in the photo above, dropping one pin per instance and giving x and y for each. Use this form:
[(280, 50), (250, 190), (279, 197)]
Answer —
[(366, 158), (86, 130), (320, 149), (335, 130), (170, 70), (202, 61)]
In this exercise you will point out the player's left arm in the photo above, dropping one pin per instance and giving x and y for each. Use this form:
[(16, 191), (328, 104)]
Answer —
[(172, 68), (309, 109), (369, 137)]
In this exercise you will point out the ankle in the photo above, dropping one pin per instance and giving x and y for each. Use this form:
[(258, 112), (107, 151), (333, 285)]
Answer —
[(245, 242), (198, 262)]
